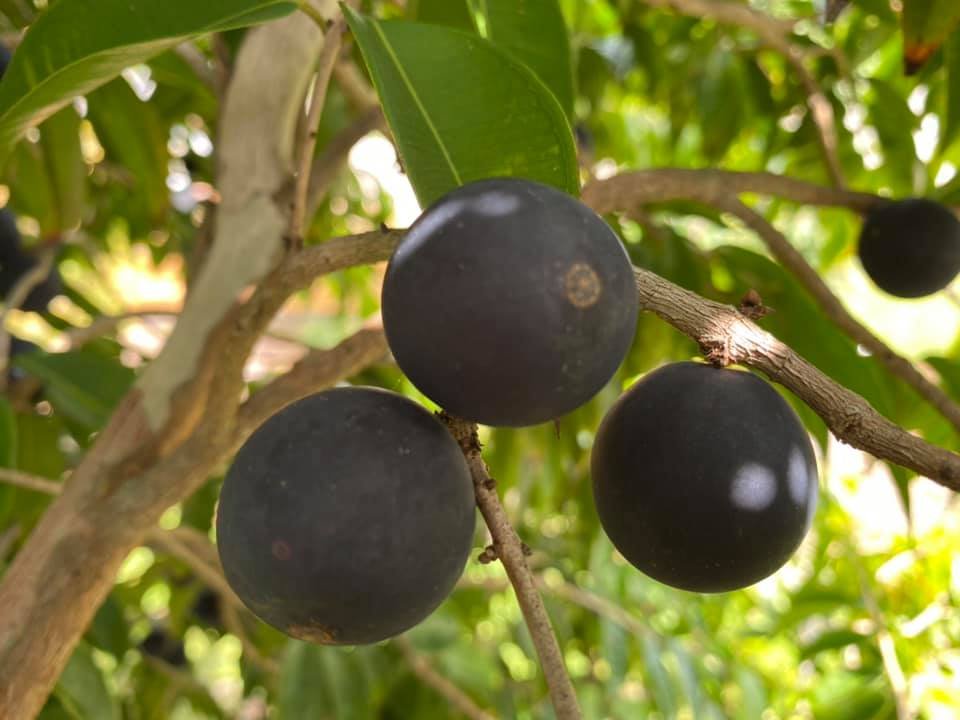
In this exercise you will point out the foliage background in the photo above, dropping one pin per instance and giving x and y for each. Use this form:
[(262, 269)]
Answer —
[(121, 182)]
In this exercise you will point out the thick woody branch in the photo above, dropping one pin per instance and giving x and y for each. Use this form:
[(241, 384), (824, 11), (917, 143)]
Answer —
[(422, 668), (719, 189), (510, 550), (776, 35), (790, 258), (721, 328), (317, 370)]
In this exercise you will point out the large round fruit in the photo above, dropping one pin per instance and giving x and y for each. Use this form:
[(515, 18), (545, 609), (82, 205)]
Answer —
[(509, 303), (347, 517), (911, 248), (704, 478)]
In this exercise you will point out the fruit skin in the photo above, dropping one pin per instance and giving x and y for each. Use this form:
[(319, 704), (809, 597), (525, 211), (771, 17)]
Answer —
[(347, 517), (704, 479), (509, 303), (15, 262), (910, 248)]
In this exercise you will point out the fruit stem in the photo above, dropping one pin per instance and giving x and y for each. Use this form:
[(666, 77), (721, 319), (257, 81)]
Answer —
[(509, 549)]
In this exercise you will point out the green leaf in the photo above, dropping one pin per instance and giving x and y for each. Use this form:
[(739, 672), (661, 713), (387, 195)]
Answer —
[(721, 95), (78, 45), (83, 385), (65, 168), (462, 109), (657, 676), (133, 135), (82, 689), (534, 32), (322, 682), (455, 13)]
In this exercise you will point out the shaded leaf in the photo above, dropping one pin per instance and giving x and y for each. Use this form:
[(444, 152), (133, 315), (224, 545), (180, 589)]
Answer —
[(450, 97), (534, 32), (76, 46)]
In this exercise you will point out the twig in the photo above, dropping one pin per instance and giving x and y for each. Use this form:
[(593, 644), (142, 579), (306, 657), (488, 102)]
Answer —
[(307, 8), (308, 142), (888, 650), (354, 86), (791, 259), (233, 621), (719, 188), (630, 189), (334, 155), (509, 549), (78, 337), (26, 481), (775, 34), (15, 298), (200, 65), (317, 370), (422, 668)]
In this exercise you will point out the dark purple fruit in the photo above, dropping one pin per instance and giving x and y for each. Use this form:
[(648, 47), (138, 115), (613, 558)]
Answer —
[(509, 303), (16, 262), (704, 479), (164, 646), (347, 517), (910, 248)]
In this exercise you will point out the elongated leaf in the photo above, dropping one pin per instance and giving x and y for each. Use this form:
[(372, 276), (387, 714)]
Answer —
[(535, 33), (455, 13), (82, 689), (83, 385), (133, 135), (78, 45), (462, 109)]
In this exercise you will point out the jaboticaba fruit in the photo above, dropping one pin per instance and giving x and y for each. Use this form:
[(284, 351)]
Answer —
[(15, 262), (910, 248), (347, 517), (509, 303), (704, 479)]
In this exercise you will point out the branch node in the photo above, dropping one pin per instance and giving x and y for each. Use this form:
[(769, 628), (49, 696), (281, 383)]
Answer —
[(751, 305), (488, 555)]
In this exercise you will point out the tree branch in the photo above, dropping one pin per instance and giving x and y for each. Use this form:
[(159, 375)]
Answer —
[(334, 155), (422, 668), (851, 418), (509, 549), (790, 258), (308, 142), (317, 370), (631, 189), (775, 34), (15, 298), (719, 188)]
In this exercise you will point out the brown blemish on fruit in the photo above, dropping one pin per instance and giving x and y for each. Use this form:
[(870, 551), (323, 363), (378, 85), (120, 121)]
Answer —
[(319, 634), (582, 285), (281, 550)]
